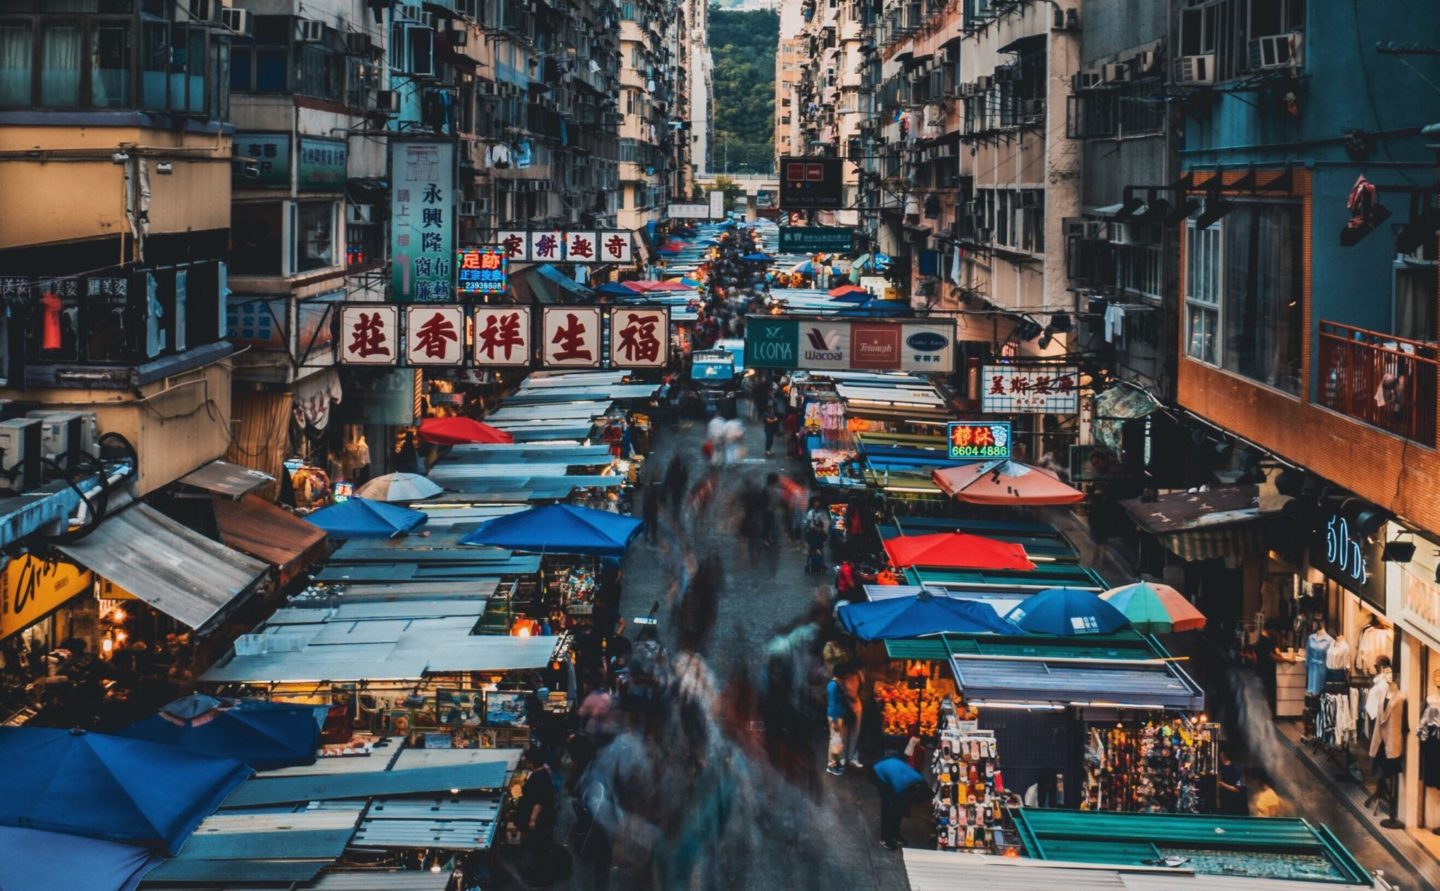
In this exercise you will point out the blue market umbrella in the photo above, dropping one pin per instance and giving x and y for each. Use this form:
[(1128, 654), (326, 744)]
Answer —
[(1066, 611), (265, 735), (559, 529), (363, 518), (903, 618), (35, 859), (110, 787), (758, 258), (614, 289)]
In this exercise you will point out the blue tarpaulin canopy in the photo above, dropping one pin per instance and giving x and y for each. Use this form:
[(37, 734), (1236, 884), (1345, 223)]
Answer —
[(35, 859), (109, 787), (559, 529), (265, 735), (901, 618), (1067, 611), (877, 307), (614, 289), (758, 258), (363, 518)]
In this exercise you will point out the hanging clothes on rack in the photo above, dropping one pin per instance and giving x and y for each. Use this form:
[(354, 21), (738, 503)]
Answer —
[(1375, 641)]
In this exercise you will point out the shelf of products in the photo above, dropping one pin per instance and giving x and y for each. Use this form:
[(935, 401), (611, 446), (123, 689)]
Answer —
[(1155, 767), (911, 706), (969, 788)]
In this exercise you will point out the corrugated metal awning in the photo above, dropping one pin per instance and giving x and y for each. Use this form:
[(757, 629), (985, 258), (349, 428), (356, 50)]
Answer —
[(292, 790), (181, 573), (262, 530), (952, 871), (224, 478), (382, 880), (1058, 682), (453, 823)]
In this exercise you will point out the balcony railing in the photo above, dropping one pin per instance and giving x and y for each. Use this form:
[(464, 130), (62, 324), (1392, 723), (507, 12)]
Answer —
[(1380, 379)]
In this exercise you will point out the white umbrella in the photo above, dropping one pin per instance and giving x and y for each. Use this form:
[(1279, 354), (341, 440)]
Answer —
[(398, 487)]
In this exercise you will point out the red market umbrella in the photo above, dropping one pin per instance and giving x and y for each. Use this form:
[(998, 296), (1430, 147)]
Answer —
[(846, 289), (460, 431), (669, 286), (956, 550), (639, 287), (673, 245), (1004, 482)]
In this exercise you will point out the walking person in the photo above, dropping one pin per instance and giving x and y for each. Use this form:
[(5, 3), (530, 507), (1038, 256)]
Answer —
[(535, 817), (817, 530), (897, 781), (851, 682), (835, 711), (772, 428), (677, 483)]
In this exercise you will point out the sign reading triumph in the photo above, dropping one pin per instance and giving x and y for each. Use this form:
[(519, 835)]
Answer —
[(849, 345)]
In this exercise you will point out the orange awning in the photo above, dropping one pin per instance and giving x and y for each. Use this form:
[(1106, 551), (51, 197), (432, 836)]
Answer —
[(1004, 482), (256, 527)]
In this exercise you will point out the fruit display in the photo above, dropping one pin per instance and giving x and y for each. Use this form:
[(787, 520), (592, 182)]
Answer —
[(912, 706)]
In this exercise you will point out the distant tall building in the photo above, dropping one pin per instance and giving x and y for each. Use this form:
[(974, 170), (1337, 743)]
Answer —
[(702, 88)]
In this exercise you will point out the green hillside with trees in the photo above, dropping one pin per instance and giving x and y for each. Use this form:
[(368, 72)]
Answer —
[(743, 46)]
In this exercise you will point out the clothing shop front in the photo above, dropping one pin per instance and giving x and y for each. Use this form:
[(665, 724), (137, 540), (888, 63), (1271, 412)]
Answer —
[(1414, 598)]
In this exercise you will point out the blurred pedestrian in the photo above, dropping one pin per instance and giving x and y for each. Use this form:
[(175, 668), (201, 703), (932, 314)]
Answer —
[(817, 530), (677, 482), (651, 511), (535, 816), (772, 427), (897, 781), (835, 712)]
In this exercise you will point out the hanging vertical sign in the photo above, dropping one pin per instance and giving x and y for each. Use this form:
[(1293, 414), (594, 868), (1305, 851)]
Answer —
[(435, 335), (422, 222), (502, 336), (570, 337), (640, 338), (369, 334)]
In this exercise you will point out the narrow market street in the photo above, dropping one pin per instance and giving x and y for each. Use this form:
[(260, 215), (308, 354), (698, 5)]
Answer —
[(797, 840)]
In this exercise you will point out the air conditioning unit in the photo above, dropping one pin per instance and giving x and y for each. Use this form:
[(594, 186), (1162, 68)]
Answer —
[(200, 10), (309, 31), (359, 214), (1086, 229), (1116, 73), (469, 209), (1032, 109), (239, 22), (982, 84), (1145, 62), (387, 101), (459, 36), (1086, 79), (1275, 51), (358, 43), (20, 452), (1195, 69), (66, 434), (1122, 233)]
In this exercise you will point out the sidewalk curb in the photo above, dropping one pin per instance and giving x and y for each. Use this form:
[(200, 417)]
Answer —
[(1417, 859)]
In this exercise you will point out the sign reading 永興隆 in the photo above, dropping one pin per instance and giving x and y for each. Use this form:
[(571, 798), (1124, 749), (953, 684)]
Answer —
[(1030, 389), (812, 239), (979, 440), (842, 344), (422, 221)]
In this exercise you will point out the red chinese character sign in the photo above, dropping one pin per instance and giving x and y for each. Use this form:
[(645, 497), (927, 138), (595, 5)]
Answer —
[(1030, 389), (516, 243), (639, 338), (435, 335), (370, 334), (616, 247), (581, 247), (570, 337), (547, 246), (502, 336)]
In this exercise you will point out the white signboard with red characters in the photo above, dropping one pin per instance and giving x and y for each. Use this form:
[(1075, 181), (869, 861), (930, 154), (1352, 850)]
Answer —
[(516, 243), (616, 246), (435, 335), (547, 246), (581, 247), (502, 336), (570, 337), (370, 334), (640, 338), (1030, 389)]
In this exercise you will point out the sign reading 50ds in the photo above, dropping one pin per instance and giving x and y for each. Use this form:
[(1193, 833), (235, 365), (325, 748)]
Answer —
[(841, 345)]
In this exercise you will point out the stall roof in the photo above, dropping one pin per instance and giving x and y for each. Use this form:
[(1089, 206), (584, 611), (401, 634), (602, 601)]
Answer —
[(457, 518), (560, 411), (1054, 676), (550, 395), (1220, 845), (565, 431), (451, 824), (949, 871), (224, 478), (399, 570), (1040, 548), (1123, 646), (297, 835), (1183, 511), (262, 530), (1046, 575), (382, 880), (542, 379), (178, 571), (569, 454), (263, 791)]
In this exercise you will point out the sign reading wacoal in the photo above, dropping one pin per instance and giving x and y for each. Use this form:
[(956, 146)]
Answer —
[(812, 183), (837, 345), (979, 440), (809, 239)]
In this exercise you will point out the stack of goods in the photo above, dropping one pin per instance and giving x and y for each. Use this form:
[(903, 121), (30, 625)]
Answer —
[(969, 789), (1156, 767), (911, 706)]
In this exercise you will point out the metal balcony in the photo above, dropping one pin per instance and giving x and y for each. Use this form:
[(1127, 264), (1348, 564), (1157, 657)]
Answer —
[(1379, 379)]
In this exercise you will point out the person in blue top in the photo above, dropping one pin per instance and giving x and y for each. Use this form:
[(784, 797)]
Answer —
[(836, 708), (897, 781)]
